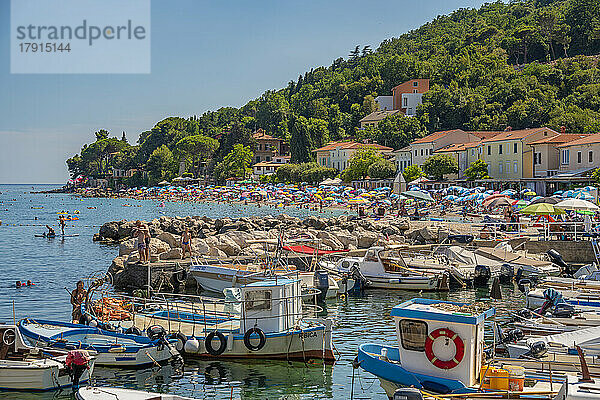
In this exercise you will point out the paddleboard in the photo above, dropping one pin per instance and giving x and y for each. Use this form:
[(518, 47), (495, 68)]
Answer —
[(50, 237)]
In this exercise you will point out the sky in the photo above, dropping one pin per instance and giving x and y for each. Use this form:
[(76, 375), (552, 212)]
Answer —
[(204, 55)]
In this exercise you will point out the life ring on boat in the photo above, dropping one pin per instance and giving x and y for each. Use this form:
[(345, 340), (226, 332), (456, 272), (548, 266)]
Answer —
[(261, 336), (222, 343), (458, 344)]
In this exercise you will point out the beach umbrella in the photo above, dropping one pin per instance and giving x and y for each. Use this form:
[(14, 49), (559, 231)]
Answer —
[(498, 202), (589, 188), (418, 195), (547, 200), (358, 200), (577, 204), (583, 195), (508, 192), (542, 209), (530, 193), (492, 197)]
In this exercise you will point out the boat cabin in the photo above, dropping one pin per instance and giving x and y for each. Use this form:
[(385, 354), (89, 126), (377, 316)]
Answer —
[(377, 261), (273, 305), (441, 339)]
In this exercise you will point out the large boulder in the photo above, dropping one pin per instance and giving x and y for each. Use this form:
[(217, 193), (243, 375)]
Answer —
[(330, 240), (110, 230), (199, 246), (127, 246), (314, 222), (240, 238), (227, 245), (171, 239), (347, 239), (365, 238), (126, 229), (157, 247), (173, 254)]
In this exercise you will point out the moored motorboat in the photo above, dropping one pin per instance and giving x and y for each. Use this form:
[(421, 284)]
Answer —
[(28, 368), (103, 393), (116, 349)]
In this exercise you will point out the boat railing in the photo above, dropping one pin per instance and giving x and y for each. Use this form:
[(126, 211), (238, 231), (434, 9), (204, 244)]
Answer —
[(196, 309)]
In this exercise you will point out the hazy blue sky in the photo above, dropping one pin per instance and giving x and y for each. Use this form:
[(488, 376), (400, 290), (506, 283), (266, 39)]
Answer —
[(205, 54)]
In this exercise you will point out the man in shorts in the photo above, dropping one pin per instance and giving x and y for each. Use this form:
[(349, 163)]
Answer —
[(186, 240), (140, 233)]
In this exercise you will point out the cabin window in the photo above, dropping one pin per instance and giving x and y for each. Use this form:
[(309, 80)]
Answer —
[(371, 256), (413, 334), (258, 300)]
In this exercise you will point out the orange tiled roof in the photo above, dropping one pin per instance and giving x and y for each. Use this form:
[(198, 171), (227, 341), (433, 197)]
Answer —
[(379, 115), (588, 139), (260, 134), (458, 147), (485, 134), (435, 136), (352, 145), (517, 134), (559, 139)]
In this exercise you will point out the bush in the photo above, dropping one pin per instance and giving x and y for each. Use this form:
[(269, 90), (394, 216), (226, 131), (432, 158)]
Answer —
[(382, 169)]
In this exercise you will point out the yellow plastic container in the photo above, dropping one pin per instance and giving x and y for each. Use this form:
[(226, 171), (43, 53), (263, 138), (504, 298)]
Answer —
[(494, 378), (516, 378)]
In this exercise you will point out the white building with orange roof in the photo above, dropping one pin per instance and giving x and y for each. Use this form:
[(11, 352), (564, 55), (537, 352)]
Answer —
[(337, 154), (546, 153), (580, 154), (424, 147)]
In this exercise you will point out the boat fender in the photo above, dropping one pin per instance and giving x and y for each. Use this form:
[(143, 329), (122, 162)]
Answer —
[(191, 346), (93, 323), (537, 349), (261, 336), (181, 339), (214, 379), (512, 335), (222, 343), (458, 343)]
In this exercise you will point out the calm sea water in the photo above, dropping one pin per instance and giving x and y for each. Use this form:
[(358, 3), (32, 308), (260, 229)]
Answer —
[(56, 264)]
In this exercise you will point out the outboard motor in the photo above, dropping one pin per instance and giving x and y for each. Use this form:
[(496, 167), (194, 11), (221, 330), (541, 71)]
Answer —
[(512, 335), (557, 259), (157, 333), (507, 272), (321, 282), (525, 284), (537, 350), (482, 275), (563, 310), (360, 281), (407, 394), (77, 362), (525, 313)]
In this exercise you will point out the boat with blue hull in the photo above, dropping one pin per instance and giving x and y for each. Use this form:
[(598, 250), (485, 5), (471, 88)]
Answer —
[(440, 349), (115, 349)]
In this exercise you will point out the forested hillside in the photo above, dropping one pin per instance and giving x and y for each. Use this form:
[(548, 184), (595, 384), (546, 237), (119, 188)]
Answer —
[(520, 64)]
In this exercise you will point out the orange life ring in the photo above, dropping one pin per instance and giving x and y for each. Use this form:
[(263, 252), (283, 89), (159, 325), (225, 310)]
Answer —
[(458, 343)]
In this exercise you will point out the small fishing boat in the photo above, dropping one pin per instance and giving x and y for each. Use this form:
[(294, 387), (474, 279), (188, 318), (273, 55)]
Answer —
[(383, 270), (265, 319), (27, 368), (104, 393), (116, 349), (440, 349)]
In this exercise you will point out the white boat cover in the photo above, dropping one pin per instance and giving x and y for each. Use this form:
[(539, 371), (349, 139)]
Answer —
[(464, 256), (570, 339)]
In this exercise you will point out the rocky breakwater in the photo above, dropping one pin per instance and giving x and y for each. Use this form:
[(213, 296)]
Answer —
[(236, 238)]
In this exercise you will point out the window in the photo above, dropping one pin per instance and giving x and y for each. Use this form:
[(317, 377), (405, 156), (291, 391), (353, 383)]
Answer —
[(416, 154), (515, 148), (565, 156), (515, 167), (472, 152), (413, 334), (499, 149), (489, 150), (508, 167), (500, 168), (415, 91), (579, 157), (590, 156), (404, 102), (421, 152), (257, 158), (537, 158), (415, 84), (268, 158), (258, 300)]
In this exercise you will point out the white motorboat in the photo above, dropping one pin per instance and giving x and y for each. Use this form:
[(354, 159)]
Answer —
[(104, 393), (27, 368), (384, 270), (115, 349)]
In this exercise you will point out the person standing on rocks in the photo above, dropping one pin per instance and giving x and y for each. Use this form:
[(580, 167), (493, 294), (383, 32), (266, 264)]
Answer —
[(186, 242), (140, 233), (147, 241), (77, 298)]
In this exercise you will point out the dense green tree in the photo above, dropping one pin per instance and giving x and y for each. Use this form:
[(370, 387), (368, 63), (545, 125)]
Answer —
[(382, 169), (477, 170), (196, 149), (412, 172), (439, 165), (236, 163), (359, 163), (161, 165)]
